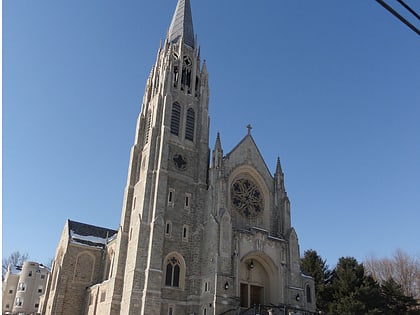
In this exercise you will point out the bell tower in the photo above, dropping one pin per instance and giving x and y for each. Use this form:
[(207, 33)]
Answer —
[(194, 238), (167, 177)]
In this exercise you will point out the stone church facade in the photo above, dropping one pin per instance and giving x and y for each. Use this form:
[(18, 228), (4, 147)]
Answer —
[(201, 232)]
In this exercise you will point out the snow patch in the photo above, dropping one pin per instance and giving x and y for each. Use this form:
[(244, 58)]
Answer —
[(88, 238)]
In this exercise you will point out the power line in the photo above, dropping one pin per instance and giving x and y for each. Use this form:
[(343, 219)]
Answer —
[(409, 9), (399, 16)]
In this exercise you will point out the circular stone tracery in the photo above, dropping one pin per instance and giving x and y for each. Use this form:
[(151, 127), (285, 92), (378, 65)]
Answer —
[(246, 197)]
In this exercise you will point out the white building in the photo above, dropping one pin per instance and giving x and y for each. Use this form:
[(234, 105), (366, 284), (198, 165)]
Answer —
[(22, 288)]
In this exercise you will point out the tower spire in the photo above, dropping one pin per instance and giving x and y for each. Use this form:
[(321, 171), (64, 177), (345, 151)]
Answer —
[(182, 25)]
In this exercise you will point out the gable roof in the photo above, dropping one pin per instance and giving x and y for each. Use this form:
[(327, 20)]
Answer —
[(246, 141), (90, 235)]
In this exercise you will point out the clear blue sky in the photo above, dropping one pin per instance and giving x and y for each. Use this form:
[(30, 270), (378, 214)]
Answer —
[(331, 87)]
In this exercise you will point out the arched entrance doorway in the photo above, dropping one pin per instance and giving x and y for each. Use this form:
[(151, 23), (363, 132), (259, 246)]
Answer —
[(256, 280)]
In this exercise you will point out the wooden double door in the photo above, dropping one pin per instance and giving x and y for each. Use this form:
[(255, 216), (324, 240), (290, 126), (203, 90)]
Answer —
[(251, 295)]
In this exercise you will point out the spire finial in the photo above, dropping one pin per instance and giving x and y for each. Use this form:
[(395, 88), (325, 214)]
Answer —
[(182, 25), (218, 144), (278, 166), (249, 128)]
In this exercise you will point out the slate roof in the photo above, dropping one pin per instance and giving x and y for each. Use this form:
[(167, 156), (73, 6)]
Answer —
[(182, 25), (91, 235)]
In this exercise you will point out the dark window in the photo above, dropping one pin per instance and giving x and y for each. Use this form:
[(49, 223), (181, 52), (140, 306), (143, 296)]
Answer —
[(148, 125), (189, 128), (171, 196), (36, 305), (175, 118), (186, 75), (30, 274), (176, 74), (308, 294), (19, 301), (173, 271), (177, 271), (21, 286), (168, 280)]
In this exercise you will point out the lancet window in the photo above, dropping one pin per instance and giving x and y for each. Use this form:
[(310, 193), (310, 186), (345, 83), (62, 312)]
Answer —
[(186, 75), (175, 118), (176, 70), (176, 75), (308, 294), (173, 270), (189, 127)]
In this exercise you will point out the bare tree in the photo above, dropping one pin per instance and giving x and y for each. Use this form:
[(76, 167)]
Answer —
[(15, 259), (407, 272), (402, 268)]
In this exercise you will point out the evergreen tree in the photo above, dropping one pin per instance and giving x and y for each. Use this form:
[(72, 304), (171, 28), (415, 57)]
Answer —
[(349, 290), (313, 265), (353, 292), (396, 302), (369, 294), (345, 282)]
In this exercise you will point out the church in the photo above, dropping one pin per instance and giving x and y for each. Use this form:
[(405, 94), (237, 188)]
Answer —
[(202, 231)]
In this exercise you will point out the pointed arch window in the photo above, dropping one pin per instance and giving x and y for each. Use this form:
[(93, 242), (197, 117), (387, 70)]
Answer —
[(85, 265), (186, 74), (175, 118), (176, 75), (189, 127), (176, 69), (308, 294), (173, 270)]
